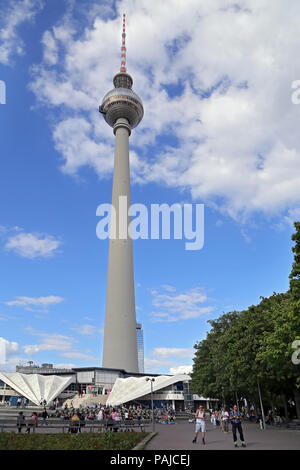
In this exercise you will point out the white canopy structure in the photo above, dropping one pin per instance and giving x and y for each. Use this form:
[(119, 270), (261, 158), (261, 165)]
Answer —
[(36, 387), (129, 389)]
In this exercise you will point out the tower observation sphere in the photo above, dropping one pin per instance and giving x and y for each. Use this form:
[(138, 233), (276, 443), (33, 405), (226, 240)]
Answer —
[(122, 102)]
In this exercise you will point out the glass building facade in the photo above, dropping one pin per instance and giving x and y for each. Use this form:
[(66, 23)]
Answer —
[(140, 347)]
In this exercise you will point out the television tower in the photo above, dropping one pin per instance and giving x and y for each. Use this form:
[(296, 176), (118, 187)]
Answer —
[(122, 110)]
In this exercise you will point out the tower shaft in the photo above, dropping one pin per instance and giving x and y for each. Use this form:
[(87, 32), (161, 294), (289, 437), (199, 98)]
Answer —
[(120, 343)]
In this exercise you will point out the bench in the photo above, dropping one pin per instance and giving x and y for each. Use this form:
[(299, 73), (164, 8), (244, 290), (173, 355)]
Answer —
[(69, 425)]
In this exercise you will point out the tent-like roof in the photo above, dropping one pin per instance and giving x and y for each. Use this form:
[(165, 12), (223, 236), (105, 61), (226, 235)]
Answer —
[(129, 389), (36, 387)]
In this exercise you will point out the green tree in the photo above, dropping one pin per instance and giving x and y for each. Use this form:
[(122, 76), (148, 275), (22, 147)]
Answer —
[(244, 349), (295, 273)]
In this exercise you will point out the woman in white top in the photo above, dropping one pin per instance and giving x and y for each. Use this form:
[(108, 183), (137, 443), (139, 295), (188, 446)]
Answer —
[(200, 424)]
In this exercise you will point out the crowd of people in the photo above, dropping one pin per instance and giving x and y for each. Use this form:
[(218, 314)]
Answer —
[(29, 424), (111, 416), (232, 416), (102, 412), (221, 418), (108, 414)]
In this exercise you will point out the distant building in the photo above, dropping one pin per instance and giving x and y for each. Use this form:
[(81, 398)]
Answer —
[(140, 347)]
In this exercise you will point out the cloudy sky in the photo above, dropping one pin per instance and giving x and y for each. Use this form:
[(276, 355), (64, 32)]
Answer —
[(221, 128)]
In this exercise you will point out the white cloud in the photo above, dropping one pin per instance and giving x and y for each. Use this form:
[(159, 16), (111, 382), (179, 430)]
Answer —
[(48, 342), (292, 216), (84, 149), (155, 365), (4, 230), (87, 329), (168, 288), (181, 370), (161, 359), (174, 306), (11, 347), (81, 356), (13, 15), (31, 245), (166, 353), (64, 345), (50, 48), (11, 363), (32, 303), (234, 121)]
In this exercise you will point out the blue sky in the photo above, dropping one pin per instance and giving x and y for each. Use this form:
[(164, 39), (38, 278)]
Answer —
[(219, 129)]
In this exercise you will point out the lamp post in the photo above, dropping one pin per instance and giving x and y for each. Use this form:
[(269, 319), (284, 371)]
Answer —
[(261, 406), (153, 421)]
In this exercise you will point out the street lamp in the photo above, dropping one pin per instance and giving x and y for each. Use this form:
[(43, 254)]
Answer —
[(153, 421)]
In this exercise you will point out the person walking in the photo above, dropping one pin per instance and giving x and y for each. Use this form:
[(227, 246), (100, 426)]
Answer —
[(225, 419), (20, 421), (236, 422), (200, 424), (45, 416), (33, 423), (213, 419)]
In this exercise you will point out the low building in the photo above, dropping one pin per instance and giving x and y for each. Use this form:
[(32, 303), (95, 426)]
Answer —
[(111, 384)]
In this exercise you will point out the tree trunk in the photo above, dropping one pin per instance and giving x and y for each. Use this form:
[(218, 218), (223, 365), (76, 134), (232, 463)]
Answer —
[(297, 401)]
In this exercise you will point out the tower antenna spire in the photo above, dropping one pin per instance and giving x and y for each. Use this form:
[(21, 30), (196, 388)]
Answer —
[(123, 48)]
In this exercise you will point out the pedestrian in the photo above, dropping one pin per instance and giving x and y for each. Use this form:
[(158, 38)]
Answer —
[(213, 419), (225, 419), (236, 422), (20, 421), (33, 423), (75, 423), (200, 424), (44, 417), (100, 415), (217, 414)]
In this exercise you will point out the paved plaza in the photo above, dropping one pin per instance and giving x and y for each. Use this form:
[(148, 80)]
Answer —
[(179, 436)]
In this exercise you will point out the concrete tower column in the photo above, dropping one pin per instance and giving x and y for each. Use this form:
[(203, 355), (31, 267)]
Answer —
[(120, 342)]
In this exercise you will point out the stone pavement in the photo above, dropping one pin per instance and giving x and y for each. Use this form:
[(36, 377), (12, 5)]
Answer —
[(179, 436)]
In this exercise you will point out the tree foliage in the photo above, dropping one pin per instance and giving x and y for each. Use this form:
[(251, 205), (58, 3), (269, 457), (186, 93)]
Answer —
[(253, 345)]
